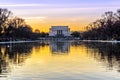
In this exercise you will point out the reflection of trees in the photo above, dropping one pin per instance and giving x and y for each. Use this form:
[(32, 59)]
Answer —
[(15, 54), (106, 52), (3, 62), (17, 49), (76, 43), (40, 44)]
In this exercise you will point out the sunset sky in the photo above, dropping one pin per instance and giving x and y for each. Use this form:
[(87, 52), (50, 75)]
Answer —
[(41, 14)]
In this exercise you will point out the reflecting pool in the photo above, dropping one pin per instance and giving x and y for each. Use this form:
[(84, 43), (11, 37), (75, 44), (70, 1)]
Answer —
[(60, 61)]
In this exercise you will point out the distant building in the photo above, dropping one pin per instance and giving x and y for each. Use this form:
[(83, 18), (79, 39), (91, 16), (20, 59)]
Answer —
[(59, 31)]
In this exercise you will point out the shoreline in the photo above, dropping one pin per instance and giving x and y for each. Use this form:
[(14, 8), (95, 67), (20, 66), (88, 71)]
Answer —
[(105, 41), (15, 42), (32, 41)]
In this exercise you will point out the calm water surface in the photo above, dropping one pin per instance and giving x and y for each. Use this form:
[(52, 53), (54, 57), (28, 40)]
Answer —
[(60, 61)]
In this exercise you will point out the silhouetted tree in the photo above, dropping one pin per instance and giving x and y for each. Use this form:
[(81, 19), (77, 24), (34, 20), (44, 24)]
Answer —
[(17, 28), (43, 34), (75, 34), (106, 28), (4, 14), (37, 31), (24, 32)]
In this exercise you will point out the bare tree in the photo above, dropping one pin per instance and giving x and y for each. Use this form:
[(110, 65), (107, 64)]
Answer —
[(4, 15), (17, 22), (107, 27)]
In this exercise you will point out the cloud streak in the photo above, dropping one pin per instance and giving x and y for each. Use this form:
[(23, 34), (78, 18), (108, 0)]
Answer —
[(22, 5)]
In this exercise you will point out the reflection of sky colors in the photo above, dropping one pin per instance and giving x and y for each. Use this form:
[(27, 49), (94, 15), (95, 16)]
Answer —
[(75, 13), (37, 61)]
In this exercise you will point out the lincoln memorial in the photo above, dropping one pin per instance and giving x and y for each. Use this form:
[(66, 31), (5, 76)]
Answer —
[(59, 31)]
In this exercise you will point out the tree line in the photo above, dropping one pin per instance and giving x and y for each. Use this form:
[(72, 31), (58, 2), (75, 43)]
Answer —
[(16, 28), (106, 28)]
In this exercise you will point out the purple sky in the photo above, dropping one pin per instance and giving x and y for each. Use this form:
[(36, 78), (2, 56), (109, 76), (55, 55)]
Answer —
[(54, 12)]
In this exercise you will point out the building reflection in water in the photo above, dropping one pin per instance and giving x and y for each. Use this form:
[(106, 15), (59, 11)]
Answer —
[(59, 47)]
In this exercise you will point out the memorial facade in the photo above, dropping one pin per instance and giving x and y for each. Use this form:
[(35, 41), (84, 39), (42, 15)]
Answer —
[(59, 31)]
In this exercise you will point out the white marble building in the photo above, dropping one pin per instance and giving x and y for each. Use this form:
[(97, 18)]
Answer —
[(59, 31)]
